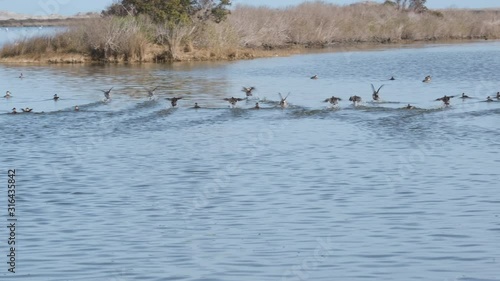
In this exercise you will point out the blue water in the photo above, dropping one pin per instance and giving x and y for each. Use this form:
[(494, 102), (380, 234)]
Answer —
[(132, 189), (14, 34)]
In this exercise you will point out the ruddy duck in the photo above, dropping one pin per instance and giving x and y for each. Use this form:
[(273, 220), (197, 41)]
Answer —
[(314, 76), (464, 96), (355, 99), (173, 101), (7, 95), (427, 79), (375, 95), (55, 97), (333, 100), (151, 93), (233, 100), (256, 106), (14, 111), (488, 99), (283, 102), (445, 99), (107, 93), (27, 109), (248, 91)]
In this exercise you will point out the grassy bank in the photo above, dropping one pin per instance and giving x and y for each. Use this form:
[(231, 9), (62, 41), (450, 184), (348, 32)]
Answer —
[(252, 32)]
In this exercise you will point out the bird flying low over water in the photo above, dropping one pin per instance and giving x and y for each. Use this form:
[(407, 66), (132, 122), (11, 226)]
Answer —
[(355, 99), (283, 102), (464, 96), (55, 98), (7, 95), (173, 101), (427, 79), (375, 95), (333, 100), (27, 109), (314, 76), (151, 93), (445, 99), (233, 100), (248, 91), (107, 93)]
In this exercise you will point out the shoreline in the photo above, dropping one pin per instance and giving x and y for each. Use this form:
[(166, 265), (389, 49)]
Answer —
[(235, 55)]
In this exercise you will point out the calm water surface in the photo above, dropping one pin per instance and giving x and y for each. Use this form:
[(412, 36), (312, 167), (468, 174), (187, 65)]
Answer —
[(132, 189)]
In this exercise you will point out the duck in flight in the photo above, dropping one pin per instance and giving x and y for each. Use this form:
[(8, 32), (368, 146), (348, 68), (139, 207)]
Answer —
[(55, 98), (315, 76), (283, 102), (173, 101), (427, 79), (355, 99), (27, 109), (248, 91), (233, 100), (151, 93), (333, 100), (107, 93), (464, 96), (375, 95), (7, 95), (445, 99)]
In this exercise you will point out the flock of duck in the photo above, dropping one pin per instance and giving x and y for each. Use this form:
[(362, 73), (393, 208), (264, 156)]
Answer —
[(333, 100)]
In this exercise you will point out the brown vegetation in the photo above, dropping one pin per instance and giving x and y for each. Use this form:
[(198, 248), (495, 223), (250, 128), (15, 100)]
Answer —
[(250, 31)]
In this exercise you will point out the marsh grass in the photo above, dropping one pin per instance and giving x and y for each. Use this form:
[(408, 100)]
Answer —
[(252, 29)]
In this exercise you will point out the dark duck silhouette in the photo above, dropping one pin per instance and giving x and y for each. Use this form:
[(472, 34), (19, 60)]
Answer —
[(173, 101), (107, 93), (333, 100), (375, 95), (248, 91), (445, 99), (464, 96), (355, 99)]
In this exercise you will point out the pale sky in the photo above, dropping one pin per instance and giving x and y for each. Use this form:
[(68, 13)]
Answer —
[(70, 7)]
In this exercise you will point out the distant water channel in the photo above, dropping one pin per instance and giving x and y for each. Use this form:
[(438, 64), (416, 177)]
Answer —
[(132, 189), (14, 34)]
